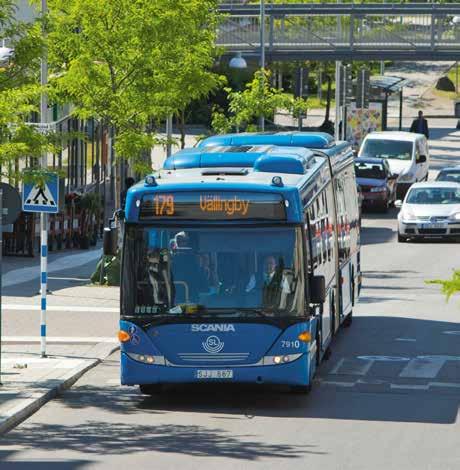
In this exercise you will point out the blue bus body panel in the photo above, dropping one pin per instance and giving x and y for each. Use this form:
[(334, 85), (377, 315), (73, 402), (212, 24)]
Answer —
[(313, 140), (243, 348)]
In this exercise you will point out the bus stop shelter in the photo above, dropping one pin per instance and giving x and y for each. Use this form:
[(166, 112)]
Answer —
[(384, 86)]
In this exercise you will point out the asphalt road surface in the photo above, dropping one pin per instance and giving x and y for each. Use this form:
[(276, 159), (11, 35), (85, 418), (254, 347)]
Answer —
[(387, 398)]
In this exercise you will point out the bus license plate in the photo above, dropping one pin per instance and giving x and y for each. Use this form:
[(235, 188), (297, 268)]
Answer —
[(214, 374)]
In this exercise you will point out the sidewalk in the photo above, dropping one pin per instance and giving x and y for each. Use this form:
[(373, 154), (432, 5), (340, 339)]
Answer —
[(29, 381)]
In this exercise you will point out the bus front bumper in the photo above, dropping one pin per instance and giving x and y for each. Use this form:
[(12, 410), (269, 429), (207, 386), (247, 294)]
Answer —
[(292, 373)]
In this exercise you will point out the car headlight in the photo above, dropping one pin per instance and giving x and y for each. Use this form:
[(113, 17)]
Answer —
[(455, 216), (406, 178), (380, 189), (407, 216)]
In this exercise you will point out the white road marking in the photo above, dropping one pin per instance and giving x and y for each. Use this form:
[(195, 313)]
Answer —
[(384, 358), (409, 387), (423, 368), (62, 308), (59, 339), (352, 367), (444, 384), (406, 339), (457, 332), (338, 366), (76, 279), (339, 384)]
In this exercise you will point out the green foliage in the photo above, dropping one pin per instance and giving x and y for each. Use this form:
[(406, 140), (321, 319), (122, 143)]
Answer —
[(256, 100), (20, 94), (124, 62), (449, 286)]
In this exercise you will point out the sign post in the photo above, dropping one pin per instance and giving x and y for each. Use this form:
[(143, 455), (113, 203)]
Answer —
[(45, 200), (10, 206)]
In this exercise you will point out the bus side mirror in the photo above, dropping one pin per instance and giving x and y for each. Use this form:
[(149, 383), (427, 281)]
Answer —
[(110, 241), (317, 289)]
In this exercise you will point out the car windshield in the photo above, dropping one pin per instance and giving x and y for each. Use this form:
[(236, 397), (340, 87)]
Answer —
[(434, 196), (381, 148), (369, 170), (212, 271), (447, 175)]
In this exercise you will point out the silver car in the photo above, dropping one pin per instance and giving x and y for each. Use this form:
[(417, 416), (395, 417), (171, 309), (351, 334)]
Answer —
[(430, 210)]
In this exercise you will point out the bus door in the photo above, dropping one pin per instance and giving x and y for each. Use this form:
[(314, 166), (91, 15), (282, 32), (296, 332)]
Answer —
[(322, 260)]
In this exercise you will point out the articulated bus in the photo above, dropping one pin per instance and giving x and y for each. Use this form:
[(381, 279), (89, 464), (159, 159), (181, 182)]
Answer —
[(238, 265)]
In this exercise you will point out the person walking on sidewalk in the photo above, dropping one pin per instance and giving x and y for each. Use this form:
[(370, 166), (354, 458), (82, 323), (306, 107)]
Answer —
[(420, 125)]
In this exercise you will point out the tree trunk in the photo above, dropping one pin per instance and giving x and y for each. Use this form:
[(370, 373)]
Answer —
[(181, 126)]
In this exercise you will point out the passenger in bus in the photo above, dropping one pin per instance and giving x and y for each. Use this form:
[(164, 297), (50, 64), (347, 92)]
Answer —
[(209, 272), (159, 279)]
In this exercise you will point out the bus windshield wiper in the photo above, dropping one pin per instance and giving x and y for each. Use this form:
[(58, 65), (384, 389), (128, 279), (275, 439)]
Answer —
[(257, 311)]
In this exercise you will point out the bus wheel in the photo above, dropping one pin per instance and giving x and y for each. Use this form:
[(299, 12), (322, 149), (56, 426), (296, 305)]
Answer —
[(301, 389), (151, 389), (348, 320)]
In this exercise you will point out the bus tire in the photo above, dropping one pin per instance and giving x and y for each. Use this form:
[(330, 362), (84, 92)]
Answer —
[(348, 320), (301, 389), (151, 389)]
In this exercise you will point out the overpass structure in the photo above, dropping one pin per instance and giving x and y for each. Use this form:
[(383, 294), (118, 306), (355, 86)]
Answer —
[(347, 31)]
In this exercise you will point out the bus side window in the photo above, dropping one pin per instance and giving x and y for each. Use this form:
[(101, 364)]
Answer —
[(312, 235)]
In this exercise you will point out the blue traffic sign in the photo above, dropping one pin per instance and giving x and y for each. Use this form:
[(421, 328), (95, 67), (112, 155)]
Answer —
[(36, 198)]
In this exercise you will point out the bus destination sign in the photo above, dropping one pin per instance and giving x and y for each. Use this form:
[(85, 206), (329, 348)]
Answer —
[(212, 206)]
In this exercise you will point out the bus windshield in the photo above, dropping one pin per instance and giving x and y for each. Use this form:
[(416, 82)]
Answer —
[(232, 270)]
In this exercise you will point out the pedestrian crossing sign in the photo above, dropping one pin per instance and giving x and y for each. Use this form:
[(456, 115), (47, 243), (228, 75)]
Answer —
[(42, 198)]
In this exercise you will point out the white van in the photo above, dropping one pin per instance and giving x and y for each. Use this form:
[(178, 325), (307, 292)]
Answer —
[(407, 154)]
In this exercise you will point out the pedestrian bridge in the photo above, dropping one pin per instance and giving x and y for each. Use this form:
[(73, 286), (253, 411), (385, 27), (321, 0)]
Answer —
[(321, 31)]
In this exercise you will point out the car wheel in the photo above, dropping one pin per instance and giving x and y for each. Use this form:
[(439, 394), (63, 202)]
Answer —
[(401, 238)]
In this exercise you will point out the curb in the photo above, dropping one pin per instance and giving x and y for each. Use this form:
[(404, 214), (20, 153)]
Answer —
[(32, 404)]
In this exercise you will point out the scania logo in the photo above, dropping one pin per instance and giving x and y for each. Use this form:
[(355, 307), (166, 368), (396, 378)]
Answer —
[(214, 327), (213, 345)]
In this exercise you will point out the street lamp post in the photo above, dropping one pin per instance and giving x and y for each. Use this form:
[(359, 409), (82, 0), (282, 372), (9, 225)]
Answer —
[(262, 57)]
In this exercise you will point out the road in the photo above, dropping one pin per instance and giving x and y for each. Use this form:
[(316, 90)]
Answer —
[(388, 398)]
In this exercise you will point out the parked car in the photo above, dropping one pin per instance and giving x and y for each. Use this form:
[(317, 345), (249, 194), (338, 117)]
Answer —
[(449, 174), (377, 182), (430, 209), (407, 154)]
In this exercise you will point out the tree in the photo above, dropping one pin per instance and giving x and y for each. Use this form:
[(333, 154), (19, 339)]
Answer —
[(450, 286), (125, 62), (256, 100), (20, 95)]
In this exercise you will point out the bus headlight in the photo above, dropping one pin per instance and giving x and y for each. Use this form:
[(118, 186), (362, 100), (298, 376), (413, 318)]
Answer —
[(277, 360), (147, 359)]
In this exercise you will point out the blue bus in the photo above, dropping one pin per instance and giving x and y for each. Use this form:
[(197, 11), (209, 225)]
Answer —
[(238, 265)]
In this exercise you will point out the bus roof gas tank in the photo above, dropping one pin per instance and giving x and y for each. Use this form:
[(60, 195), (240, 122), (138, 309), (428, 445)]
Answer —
[(261, 158), (313, 140)]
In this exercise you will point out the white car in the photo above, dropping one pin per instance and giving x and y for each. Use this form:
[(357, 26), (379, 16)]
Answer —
[(430, 210), (407, 154)]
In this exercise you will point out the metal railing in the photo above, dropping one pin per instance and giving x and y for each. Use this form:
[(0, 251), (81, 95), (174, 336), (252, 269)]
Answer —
[(415, 31)]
